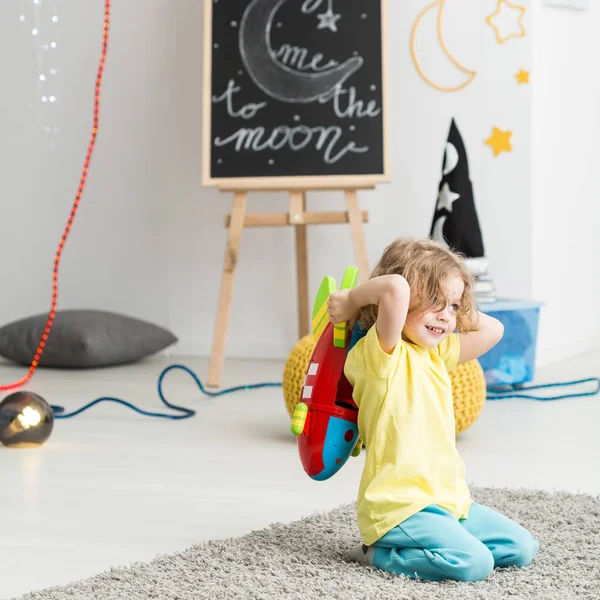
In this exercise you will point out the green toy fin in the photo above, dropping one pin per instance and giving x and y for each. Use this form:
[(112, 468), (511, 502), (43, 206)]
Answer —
[(340, 330), (319, 314)]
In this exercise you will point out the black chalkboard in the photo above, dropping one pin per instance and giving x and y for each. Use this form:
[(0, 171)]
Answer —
[(294, 88)]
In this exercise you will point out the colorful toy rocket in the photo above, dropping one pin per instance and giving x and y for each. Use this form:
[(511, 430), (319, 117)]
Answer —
[(325, 419)]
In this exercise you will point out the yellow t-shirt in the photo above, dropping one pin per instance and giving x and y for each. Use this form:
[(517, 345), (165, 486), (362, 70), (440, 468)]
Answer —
[(406, 421)]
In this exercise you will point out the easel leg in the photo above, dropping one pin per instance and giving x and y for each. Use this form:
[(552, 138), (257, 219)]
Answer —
[(358, 235), (234, 235), (297, 210)]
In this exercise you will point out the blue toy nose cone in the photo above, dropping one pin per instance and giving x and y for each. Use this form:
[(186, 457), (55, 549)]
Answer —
[(340, 440)]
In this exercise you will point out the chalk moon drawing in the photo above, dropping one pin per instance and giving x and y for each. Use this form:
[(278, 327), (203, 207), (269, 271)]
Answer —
[(274, 78), (426, 23), (438, 231)]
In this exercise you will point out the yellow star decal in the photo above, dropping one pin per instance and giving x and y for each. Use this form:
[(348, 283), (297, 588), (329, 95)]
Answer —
[(499, 141), (522, 76), (517, 29)]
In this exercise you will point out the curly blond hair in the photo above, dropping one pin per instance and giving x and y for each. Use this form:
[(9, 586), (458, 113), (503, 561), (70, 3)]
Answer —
[(424, 263)]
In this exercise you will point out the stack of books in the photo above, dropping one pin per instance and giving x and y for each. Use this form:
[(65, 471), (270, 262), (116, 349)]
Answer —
[(484, 288)]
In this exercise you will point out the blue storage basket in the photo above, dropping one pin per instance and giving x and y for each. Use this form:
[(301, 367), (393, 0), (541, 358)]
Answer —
[(512, 360)]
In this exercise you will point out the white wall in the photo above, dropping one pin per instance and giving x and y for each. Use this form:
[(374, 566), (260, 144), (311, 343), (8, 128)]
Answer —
[(116, 257), (160, 237), (566, 244)]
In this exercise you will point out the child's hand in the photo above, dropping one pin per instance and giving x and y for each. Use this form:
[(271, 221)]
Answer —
[(340, 307)]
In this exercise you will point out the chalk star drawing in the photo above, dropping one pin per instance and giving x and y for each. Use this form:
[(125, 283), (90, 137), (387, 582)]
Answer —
[(328, 19)]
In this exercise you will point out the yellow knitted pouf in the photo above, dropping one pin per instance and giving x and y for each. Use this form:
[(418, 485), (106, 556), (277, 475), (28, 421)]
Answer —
[(468, 392), (468, 384), (295, 371)]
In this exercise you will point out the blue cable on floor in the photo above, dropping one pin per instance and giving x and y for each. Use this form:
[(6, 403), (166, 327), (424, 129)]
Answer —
[(496, 393), (59, 411)]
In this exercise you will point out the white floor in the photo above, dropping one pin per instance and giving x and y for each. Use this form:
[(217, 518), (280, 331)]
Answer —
[(111, 486)]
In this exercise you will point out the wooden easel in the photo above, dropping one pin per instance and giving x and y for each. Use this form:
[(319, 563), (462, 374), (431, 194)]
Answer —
[(300, 219)]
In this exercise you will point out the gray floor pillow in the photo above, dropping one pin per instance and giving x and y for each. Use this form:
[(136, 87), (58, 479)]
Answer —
[(83, 338)]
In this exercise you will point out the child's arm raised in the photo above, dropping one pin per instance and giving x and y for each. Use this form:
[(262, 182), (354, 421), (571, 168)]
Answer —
[(390, 293), (486, 333)]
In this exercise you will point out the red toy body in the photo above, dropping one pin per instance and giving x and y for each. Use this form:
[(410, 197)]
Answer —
[(325, 419)]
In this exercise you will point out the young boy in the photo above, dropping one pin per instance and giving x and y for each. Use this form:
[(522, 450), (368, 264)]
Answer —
[(414, 509)]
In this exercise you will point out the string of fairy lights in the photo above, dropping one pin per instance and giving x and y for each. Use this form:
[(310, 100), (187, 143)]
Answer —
[(40, 20)]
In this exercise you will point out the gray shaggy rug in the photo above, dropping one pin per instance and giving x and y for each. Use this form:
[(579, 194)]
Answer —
[(305, 560)]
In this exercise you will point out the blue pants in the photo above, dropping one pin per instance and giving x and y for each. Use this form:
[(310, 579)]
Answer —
[(433, 545)]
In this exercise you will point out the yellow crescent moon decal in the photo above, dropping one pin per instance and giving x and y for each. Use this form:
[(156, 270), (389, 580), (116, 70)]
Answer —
[(439, 4)]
